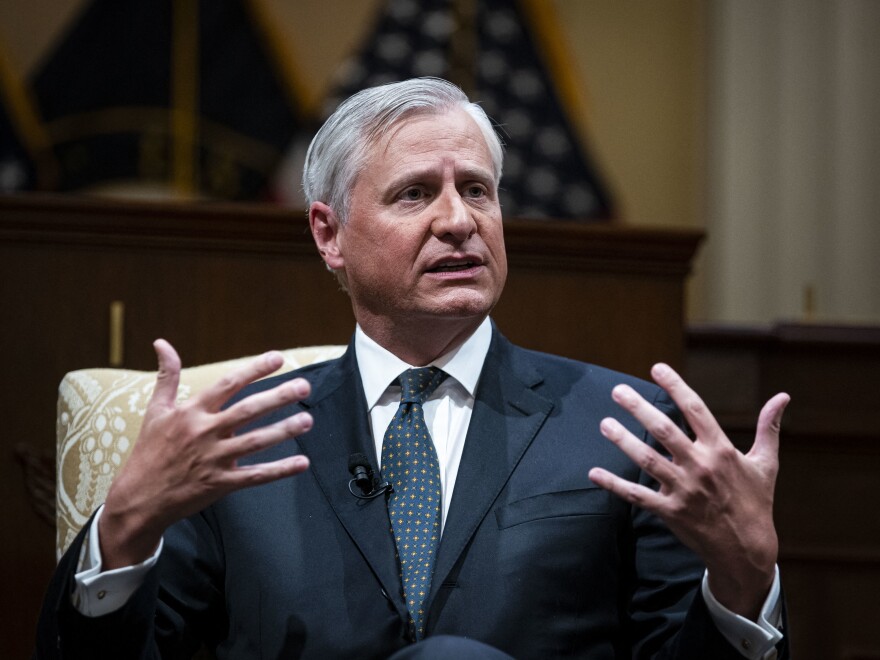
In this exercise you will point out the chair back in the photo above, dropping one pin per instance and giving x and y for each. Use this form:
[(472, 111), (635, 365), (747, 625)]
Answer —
[(99, 416)]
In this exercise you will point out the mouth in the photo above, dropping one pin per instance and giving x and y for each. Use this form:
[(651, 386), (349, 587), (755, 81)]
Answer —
[(453, 266)]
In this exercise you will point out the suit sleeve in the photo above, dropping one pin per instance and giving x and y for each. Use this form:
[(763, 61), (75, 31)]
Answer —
[(177, 606)]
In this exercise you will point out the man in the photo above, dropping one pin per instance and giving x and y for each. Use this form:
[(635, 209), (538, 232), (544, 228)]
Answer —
[(505, 523)]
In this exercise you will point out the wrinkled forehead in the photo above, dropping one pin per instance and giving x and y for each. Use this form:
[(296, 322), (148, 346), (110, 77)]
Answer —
[(387, 126), (452, 126), (379, 137), (421, 130)]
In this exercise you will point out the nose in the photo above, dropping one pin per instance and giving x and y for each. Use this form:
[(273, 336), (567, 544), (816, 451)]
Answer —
[(453, 217)]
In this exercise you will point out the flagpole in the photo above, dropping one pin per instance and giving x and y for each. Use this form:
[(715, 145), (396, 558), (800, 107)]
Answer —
[(463, 46), (184, 97)]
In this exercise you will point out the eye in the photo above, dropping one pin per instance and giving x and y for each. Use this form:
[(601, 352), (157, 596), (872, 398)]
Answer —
[(474, 191), (412, 194)]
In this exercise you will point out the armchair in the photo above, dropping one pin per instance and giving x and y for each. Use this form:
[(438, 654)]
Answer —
[(99, 416)]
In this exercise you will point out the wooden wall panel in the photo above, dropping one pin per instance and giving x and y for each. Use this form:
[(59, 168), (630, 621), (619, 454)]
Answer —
[(828, 492)]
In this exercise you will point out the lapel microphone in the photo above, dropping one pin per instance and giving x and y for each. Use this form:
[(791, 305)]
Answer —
[(363, 478)]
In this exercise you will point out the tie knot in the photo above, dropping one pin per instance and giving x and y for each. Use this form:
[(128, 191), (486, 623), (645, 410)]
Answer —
[(416, 385)]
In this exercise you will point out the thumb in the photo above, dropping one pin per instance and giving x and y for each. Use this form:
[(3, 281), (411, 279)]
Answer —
[(769, 424), (168, 378)]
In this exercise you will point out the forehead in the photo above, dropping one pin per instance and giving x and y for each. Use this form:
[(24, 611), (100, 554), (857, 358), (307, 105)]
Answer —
[(453, 133)]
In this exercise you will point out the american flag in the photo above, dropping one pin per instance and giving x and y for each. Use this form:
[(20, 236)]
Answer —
[(490, 49)]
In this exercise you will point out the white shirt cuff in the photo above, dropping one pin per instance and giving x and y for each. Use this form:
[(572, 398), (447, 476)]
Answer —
[(754, 640), (98, 592)]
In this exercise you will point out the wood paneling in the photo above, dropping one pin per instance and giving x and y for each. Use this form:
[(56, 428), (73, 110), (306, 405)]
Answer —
[(827, 496), (221, 281)]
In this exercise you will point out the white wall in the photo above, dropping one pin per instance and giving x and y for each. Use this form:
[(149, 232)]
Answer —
[(793, 162)]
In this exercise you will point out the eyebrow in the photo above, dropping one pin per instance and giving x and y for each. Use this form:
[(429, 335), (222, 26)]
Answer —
[(466, 172)]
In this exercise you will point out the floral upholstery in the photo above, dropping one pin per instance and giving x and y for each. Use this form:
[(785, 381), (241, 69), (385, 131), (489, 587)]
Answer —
[(99, 415)]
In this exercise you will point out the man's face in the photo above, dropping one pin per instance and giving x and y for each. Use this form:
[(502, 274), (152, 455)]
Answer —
[(424, 236)]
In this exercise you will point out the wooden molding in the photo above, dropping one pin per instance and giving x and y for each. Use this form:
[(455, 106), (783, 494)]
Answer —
[(271, 229)]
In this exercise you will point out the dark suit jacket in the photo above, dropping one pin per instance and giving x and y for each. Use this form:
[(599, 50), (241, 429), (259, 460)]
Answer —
[(534, 559)]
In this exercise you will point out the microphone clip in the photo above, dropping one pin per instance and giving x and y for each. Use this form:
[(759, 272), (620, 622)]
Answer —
[(362, 477)]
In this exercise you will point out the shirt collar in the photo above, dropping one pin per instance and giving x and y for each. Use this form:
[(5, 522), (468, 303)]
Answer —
[(380, 367)]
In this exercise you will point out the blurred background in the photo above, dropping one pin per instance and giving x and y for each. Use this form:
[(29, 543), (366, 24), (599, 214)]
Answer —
[(754, 120), (752, 123)]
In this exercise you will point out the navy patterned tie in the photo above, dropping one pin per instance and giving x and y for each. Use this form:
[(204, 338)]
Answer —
[(409, 462)]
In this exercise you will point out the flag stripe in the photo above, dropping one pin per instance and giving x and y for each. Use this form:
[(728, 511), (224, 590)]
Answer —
[(298, 97), (558, 57)]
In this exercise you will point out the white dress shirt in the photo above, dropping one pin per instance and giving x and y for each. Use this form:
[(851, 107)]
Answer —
[(447, 414), (448, 409)]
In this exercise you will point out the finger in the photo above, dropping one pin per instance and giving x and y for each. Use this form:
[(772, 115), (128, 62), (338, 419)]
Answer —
[(769, 425), (262, 473), (695, 411), (213, 397), (259, 404), (647, 458), (266, 436), (657, 423), (168, 377), (640, 496)]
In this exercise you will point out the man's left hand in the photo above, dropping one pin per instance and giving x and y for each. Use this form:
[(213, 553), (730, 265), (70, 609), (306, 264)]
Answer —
[(715, 499)]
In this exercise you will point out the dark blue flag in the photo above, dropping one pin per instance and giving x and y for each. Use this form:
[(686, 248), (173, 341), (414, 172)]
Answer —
[(188, 94), (497, 51)]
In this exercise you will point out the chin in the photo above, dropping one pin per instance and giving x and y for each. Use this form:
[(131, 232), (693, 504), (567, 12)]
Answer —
[(465, 307)]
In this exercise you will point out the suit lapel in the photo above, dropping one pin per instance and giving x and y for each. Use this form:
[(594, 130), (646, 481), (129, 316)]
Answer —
[(338, 406), (507, 415)]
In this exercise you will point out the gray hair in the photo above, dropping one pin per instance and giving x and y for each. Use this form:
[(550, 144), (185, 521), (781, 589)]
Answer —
[(339, 150)]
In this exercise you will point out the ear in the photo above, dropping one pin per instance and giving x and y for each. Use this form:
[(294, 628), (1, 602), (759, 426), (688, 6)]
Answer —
[(325, 230)]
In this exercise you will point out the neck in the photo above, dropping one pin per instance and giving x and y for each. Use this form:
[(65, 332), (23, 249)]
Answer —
[(420, 343)]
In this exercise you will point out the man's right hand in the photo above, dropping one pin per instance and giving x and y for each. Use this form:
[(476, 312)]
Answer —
[(186, 455)]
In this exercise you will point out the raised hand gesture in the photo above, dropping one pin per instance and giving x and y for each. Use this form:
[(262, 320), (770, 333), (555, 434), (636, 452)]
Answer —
[(186, 455), (715, 499)]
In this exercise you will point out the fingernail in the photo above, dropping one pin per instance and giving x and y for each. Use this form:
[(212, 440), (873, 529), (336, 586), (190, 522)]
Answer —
[(303, 388), (305, 420), (597, 476), (622, 394)]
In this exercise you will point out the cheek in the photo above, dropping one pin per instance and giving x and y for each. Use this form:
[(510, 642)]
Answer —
[(493, 235), (365, 244), (387, 258), (501, 260), (399, 245)]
